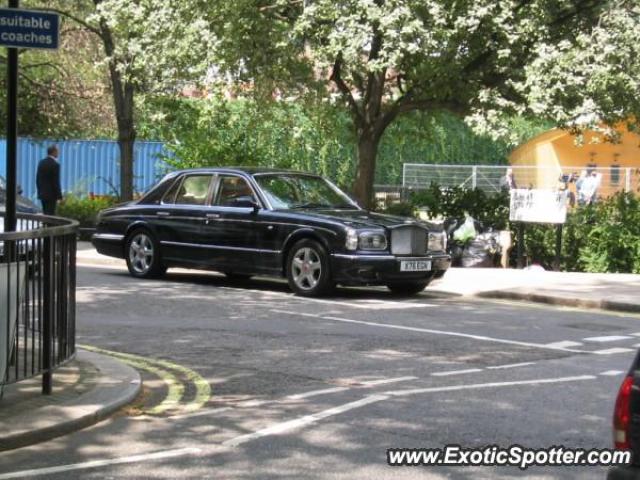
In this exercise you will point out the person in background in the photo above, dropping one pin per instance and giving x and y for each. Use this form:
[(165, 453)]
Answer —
[(596, 181), (589, 187), (48, 181), (508, 182), (581, 184), (573, 191)]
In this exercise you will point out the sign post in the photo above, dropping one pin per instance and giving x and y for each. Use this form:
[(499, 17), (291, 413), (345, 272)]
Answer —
[(12, 136), (538, 206), (20, 29)]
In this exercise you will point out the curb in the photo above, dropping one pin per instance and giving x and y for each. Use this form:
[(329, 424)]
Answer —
[(117, 385), (88, 262), (609, 305)]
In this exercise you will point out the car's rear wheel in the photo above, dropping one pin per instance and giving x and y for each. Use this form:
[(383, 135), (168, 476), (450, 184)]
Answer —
[(308, 269), (408, 287), (143, 255)]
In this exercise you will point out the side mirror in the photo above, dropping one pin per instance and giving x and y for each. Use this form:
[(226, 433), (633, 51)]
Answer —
[(245, 202)]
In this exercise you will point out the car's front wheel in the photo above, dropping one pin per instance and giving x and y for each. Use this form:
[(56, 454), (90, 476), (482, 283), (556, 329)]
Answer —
[(143, 255), (308, 269), (408, 287)]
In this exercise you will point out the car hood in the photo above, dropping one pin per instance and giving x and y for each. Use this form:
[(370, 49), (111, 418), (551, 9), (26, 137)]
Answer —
[(365, 219), (23, 204)]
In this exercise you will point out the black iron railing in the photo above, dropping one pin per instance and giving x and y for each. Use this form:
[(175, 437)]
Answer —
[(37, 298)]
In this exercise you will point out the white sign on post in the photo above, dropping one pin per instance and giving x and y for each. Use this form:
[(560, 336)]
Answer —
[(538, 206)]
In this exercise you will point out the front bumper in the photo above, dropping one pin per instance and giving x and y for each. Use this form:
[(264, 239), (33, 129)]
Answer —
[(382, 269), (109, 244)]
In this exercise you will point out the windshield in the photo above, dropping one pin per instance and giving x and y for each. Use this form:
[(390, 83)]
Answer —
[(286, 191)]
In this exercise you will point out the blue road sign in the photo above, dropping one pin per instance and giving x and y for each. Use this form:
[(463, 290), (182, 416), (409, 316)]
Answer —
[(28, 28)]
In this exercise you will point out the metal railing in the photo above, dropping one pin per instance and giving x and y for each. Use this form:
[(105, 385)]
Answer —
[(37, 298), (489, 178)]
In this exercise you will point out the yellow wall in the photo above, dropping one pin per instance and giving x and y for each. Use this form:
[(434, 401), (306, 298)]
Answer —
[(557, 151)]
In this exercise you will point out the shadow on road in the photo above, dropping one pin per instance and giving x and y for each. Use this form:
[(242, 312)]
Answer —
[(270, 284)]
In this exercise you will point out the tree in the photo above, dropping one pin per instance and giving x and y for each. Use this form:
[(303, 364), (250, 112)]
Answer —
[(150, 46), (61, 94), (383, 58), (603, 87)]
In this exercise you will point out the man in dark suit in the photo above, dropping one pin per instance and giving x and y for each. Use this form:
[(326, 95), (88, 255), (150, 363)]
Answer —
[(48, 181)]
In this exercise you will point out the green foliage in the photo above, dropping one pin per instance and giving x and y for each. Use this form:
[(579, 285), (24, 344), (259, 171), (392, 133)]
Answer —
[(452, 202), (403, 209), (84, 209), (597, 238), (205, 132), (310, 136), (61, 95), (612, 241)]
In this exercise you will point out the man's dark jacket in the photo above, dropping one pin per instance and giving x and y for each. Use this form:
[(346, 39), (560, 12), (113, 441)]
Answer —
[(48, 180)]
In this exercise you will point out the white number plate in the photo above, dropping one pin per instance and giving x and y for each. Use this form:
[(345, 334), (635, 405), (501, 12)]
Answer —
[(415, 265)]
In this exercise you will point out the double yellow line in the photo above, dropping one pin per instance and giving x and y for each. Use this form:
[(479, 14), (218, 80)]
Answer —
[(165, 370)]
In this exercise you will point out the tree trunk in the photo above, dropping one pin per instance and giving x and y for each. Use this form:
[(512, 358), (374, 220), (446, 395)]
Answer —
[(365, 171), (124, 106), (123, 101), (125, 143)]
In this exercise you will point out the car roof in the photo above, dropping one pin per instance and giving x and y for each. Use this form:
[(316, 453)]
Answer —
[(243, 170)]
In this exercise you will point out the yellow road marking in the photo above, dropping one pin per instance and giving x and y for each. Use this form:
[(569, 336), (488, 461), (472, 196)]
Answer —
[(163, 368)]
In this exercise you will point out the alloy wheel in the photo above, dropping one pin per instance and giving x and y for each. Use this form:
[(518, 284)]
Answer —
[(306, 268), (141, 253)]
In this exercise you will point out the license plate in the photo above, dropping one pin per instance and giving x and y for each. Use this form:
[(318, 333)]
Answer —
[(415, 265)]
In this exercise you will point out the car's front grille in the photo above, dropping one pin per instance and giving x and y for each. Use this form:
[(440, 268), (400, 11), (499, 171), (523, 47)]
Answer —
[(408, 240)]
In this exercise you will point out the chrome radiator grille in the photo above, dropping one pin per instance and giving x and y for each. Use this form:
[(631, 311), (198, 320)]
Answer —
[(408, 241)]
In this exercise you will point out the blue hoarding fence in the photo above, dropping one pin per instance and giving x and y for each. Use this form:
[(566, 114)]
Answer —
[(87, 166)]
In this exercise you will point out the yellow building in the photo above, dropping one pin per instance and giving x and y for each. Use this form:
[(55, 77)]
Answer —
[(541, 161)]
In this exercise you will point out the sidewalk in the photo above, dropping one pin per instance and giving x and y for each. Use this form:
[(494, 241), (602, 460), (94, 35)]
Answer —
[(607, 291), (85, 391)]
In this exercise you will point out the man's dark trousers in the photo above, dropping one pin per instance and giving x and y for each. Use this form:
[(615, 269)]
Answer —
[(49, 207)]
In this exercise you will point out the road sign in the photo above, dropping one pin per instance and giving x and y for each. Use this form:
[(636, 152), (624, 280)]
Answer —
[(538, 206), (28, 29)]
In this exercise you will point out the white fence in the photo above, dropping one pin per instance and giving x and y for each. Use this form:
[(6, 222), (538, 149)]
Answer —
[(490, 177)]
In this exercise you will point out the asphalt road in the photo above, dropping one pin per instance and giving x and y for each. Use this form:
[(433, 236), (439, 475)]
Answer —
[(306, 388)]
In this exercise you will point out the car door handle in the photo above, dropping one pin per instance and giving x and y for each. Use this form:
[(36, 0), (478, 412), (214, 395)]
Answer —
[(163, 214), (213, 215)]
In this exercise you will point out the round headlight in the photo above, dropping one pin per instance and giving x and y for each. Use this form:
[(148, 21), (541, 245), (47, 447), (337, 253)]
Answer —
[(372, 241)]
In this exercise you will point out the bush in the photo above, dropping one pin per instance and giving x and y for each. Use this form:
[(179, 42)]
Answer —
[(84, 209), (452, 202), (612, 243)]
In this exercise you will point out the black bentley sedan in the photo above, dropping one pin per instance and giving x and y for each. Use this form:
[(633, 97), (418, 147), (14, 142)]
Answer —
[(250, 221)]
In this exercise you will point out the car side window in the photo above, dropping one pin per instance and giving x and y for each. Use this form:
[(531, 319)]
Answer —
[(194, 190), (233, 189), (170, 196)]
